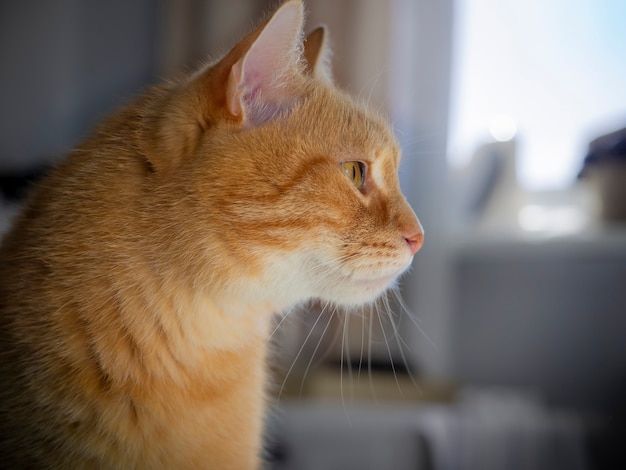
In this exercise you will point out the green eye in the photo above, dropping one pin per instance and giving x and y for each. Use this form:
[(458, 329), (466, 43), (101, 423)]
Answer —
[(356, 172)]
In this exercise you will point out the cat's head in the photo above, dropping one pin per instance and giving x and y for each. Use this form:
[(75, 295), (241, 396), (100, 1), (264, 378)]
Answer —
[(292, 186)]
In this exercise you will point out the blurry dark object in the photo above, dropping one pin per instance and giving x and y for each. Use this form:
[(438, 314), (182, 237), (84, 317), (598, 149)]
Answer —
[(14, 186), (605, 168)]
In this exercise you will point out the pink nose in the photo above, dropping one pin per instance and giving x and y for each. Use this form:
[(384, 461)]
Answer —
[(415, 242)]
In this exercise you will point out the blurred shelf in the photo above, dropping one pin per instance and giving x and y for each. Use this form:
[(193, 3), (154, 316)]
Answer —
[(606, 240), (331, 383)]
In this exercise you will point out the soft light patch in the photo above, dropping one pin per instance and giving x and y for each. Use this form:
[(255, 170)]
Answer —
[(377, 174)]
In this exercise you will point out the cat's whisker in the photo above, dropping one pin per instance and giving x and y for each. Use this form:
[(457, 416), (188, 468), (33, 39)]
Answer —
[(343, 403), (391, 359), (400, 341), (413, 319), (295, 360), (383, 304), (380, 109), (362, 347), (396, 292), (333, 342), (390, 314), (369, 356), (346, 331), (319, 342), (345, 349), (283, 318), (371, 83)]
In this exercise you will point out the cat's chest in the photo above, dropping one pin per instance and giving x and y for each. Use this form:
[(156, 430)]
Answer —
[(200, 413)]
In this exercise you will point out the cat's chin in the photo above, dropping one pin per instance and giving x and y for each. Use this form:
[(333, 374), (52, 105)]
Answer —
[(363, 291), (379, 285)]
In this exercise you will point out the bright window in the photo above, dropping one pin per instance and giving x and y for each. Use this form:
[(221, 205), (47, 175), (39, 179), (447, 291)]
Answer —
[(553, 71)]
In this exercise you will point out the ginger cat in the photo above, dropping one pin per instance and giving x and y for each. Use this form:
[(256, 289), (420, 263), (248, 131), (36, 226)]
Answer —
[(138, 285)]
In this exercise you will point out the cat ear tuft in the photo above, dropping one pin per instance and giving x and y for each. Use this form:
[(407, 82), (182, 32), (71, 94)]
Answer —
[(317, 54), (261, 82)]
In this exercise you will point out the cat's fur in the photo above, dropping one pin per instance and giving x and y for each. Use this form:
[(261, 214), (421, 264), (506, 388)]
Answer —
[(137, 286)]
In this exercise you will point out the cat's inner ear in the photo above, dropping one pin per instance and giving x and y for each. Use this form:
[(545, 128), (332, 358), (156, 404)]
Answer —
[(262, 81), (317, 54)]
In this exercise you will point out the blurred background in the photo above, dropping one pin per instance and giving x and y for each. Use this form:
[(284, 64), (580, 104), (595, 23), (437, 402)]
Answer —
[(509, 348)]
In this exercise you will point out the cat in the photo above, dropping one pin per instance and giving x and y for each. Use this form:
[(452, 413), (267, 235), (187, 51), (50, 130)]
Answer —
[(138, 286)]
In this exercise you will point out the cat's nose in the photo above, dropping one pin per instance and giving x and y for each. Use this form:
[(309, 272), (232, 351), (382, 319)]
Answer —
[(415, 242), (414, 236)]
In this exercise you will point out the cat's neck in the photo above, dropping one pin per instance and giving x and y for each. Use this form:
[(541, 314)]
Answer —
[(224, 324)]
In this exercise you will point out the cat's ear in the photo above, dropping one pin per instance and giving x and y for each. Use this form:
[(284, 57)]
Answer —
[(263, 78), (317, 54), (258, 80)]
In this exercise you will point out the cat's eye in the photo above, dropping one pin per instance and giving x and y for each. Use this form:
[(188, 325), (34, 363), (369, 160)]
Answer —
[(355, 170)]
